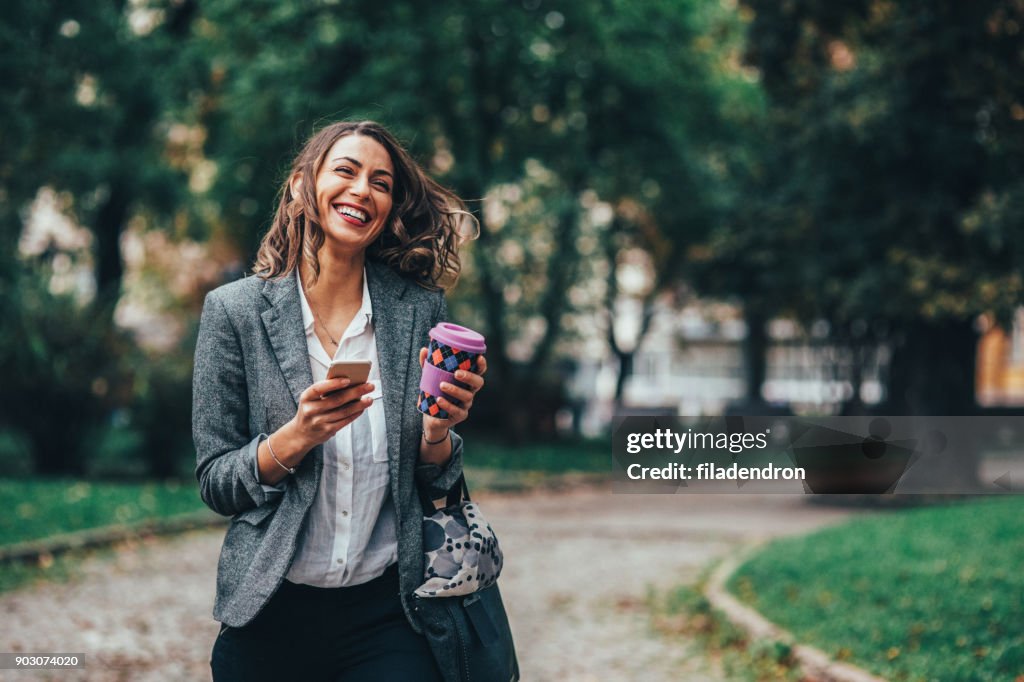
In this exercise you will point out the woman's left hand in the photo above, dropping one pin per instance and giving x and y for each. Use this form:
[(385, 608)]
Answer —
[(456, 414)]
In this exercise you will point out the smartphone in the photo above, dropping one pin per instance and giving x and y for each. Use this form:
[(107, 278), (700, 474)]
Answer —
[(357, 371)]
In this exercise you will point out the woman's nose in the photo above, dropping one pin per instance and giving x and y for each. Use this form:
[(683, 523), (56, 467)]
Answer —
[(360, 186)]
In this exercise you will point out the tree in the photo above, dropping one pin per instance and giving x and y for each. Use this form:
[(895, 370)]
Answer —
[(896, 175), (891, 197), (81, 116), (562, 101), (694, 119)]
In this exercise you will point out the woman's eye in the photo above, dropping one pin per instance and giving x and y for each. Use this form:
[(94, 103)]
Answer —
[(343, 169), (384, 186)]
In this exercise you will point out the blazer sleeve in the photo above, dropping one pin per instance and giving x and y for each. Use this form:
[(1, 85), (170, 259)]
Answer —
[(225, 448), (436, 480)]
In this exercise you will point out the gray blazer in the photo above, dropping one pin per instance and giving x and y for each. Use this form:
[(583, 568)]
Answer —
[(251, 365)]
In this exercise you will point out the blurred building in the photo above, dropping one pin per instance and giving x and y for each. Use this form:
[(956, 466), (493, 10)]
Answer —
[(1000, 378), (691, 363)]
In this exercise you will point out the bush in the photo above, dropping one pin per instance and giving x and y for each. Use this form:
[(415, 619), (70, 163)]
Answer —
[(161, 412), (64, 372)]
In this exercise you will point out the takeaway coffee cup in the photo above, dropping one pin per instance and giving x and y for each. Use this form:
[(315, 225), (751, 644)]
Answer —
[(451, 348)]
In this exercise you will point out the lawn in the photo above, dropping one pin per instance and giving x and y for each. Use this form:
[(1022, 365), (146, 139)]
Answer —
[(928, 594), (593, 456), (37, 508), (40, 508)]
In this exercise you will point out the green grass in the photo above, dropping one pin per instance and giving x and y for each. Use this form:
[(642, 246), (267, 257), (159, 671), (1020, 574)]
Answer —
[(685, 612), (56, 569), (576, 456), (39, 508), (495, 466), (929, 594)]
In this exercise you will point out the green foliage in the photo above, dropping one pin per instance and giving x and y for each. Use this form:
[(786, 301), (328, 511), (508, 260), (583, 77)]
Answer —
[(897, 140), (616, 100), (885, 193), (918, 595), (88, 94), (83, 113), (161, 411), (64, 369), (80, 396), (117, 452), (864, 166)]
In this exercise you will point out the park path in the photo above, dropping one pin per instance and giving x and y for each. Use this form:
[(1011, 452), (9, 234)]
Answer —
[(580, 563)]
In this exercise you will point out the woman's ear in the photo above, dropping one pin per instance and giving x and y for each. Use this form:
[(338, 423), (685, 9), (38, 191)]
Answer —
[(295, 184)]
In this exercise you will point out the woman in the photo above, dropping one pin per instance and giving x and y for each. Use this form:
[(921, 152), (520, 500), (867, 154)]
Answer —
[(324, 548)]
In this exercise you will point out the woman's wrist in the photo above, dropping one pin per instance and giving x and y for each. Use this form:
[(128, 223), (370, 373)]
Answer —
[(435, 442), (280, 452), (434, 433), (289, 446)]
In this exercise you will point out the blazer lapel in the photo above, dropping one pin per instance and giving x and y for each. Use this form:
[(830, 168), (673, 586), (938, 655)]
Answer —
[(393, 324), (283, 323)]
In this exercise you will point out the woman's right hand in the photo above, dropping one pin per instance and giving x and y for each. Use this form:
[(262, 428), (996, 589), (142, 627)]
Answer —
[(326, 407)]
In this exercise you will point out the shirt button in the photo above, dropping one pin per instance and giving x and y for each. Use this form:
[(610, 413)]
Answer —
[(340, 561), (347, 465), (344, 512)]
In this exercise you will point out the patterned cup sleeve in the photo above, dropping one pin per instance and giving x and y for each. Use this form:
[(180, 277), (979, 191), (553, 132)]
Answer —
[(448, 359)]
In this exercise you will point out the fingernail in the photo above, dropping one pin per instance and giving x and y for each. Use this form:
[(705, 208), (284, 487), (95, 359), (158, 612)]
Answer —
[(460, 374), (445, 385), (346, 382)]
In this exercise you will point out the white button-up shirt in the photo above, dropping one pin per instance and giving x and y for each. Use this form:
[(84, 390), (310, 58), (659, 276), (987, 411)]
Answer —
[(350, 535)]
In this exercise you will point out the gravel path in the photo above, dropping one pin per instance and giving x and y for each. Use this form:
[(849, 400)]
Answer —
[(579, 565)]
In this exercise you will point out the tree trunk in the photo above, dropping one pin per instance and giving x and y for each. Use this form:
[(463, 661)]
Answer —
[(855, 407), (755, 350), (110, 222), (932, 373), (933, 369), (625, 371), (561, 273), (58, 444)]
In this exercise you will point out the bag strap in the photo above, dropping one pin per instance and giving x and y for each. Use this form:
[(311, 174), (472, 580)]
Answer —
[(457, 493)]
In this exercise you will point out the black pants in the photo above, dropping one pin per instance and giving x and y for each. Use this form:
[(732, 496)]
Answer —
[(334, 635)]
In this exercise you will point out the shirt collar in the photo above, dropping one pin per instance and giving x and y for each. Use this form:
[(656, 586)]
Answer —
[(363, 317)]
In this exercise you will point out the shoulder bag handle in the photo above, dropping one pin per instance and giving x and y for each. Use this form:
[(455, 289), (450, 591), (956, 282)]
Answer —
[(457, 493)]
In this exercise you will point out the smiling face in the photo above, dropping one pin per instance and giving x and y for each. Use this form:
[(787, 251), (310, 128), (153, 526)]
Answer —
[(354, 189)]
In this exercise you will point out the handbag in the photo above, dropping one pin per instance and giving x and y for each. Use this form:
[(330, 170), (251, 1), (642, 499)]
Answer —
[(460, 548), (459, 603)]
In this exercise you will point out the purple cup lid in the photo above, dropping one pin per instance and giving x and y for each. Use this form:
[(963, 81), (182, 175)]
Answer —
[(459, 337)]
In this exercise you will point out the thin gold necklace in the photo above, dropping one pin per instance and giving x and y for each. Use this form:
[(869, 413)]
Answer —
[(317, 318), (323, 326)]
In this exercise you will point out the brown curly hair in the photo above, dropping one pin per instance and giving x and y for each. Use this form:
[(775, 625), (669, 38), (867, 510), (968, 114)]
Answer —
[(420, 240)]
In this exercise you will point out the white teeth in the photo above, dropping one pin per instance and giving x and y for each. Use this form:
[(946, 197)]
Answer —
[(354, 213)]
